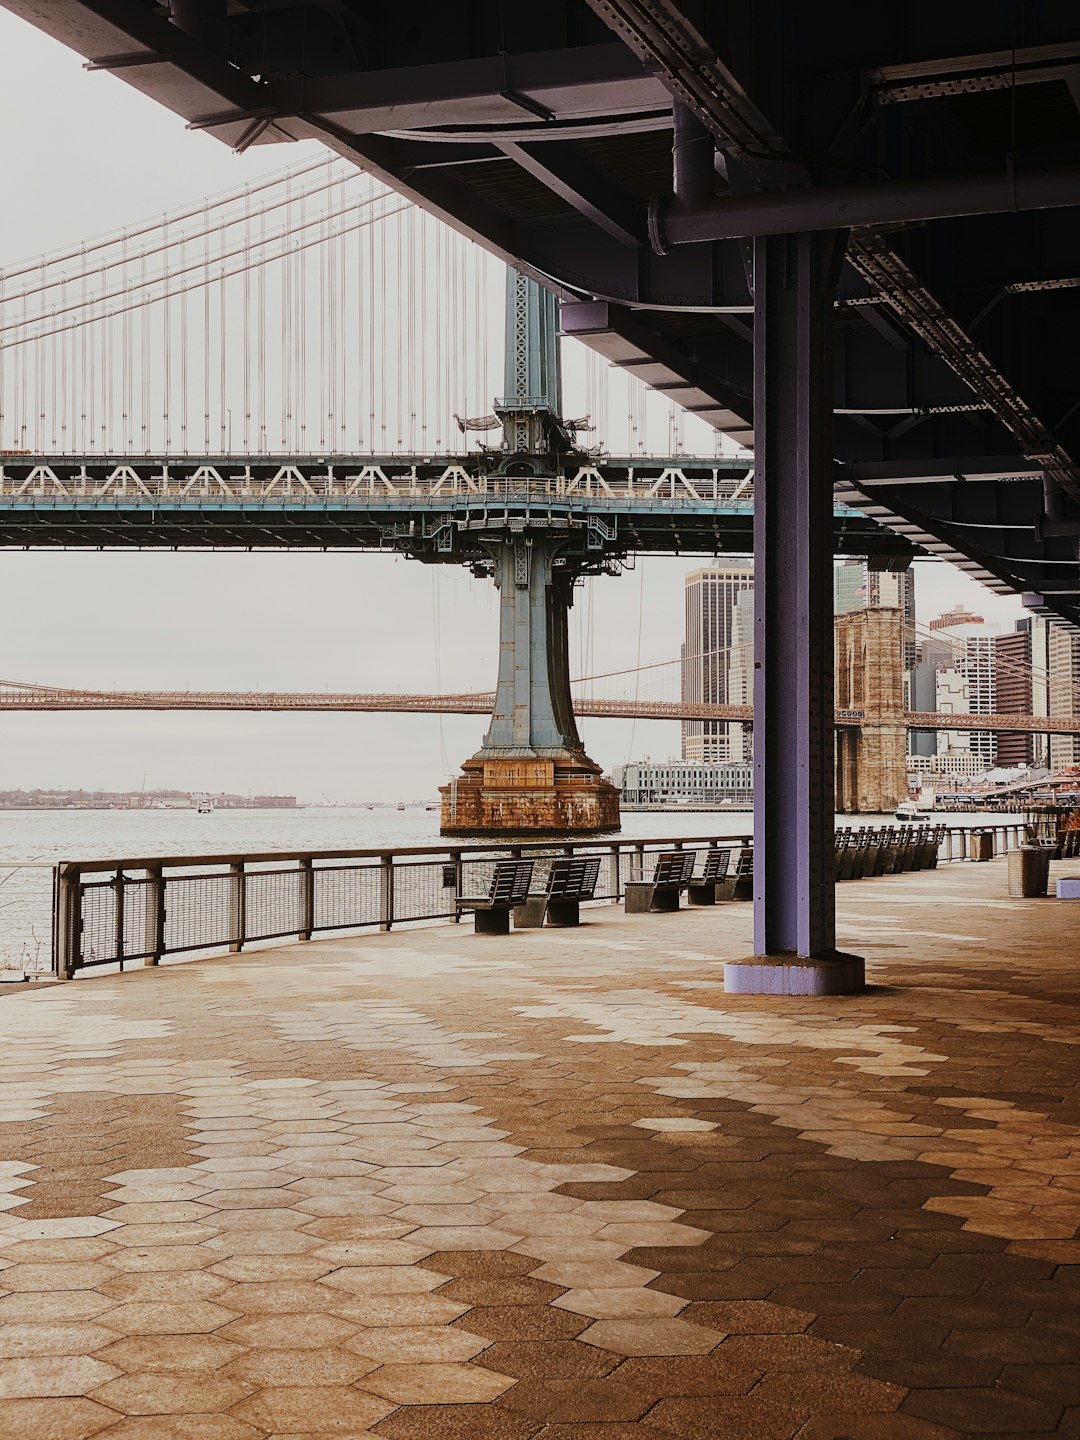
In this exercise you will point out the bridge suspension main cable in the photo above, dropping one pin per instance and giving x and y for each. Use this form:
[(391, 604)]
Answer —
[(309, 310)]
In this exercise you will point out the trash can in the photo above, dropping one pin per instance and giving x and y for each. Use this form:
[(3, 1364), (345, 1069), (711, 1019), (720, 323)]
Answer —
[(981, 845), (1029, 871)]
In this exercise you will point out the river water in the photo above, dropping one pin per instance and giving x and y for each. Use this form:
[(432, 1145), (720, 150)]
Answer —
[(31, 841)]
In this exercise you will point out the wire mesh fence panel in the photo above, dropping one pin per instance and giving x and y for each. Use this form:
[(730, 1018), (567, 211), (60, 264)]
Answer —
[(98, 923), (200, 911), (421, 891), (140, 917), (347, 896), (273, 904)]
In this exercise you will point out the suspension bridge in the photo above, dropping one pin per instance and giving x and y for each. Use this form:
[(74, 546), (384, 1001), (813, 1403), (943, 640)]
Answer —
[(119, 338), (16, 696)]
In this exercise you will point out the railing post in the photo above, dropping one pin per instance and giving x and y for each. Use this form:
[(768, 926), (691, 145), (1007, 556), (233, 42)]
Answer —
[(459, 881), (67, 922), (616, 859), (386, 892), (156, 926), (239, 908), (118, 930), (307, 897)]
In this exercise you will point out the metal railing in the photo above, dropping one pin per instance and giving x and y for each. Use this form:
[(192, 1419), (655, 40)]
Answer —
[(112, 912), (119, 911)]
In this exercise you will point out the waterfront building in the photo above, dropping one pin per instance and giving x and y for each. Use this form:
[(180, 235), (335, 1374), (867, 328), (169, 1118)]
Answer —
[(949, 765), (684, 782), (708, 654), (1014, 674), (1064, 696)]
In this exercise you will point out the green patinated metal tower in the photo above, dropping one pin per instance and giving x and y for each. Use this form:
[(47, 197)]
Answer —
[(531, 774)]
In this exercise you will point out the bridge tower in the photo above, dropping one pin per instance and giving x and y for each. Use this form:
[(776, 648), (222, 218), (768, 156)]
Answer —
[(532, 775), (871, 761)]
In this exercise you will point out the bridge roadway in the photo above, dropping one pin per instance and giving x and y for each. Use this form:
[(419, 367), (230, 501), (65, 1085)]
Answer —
[(20, 696), (433, 508)]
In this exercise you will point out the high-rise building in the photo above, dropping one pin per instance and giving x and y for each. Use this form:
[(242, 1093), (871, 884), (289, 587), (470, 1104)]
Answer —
[(855, 585), (1064, 647), (709, 653), (967, 645), (1020, 664), (1040, 686)]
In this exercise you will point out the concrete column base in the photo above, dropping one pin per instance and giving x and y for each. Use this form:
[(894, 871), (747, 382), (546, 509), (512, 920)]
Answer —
[(840, 974)]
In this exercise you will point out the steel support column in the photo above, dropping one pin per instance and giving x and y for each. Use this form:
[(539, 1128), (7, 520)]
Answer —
[(794, 905)]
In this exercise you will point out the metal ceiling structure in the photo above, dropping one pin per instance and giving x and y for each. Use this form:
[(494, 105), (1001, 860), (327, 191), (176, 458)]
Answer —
[(946, 138)]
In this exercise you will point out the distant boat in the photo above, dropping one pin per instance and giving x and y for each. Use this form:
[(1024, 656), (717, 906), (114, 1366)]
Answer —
[(205, 806), (401, 804), (908, 811)]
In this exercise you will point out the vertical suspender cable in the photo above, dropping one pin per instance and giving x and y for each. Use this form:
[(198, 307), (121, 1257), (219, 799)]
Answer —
[(206, 336), (166, 358), (223, 328), (245, 327)]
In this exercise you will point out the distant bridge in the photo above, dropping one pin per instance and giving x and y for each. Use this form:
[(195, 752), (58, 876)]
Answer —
[(20, 696)]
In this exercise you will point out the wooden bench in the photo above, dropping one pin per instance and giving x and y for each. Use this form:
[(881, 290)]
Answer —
[(509, 887), (704, 888), (570, 880), (670, 877)]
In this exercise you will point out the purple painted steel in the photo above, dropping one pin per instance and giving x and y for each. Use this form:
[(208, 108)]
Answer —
[(794, 899)]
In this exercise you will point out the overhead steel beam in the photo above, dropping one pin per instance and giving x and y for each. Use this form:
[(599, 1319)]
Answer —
[(830, 207), (575, 85), (571, 175)]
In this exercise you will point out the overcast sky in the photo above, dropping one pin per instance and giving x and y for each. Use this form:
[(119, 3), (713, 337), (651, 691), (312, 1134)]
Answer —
[(81, 155)]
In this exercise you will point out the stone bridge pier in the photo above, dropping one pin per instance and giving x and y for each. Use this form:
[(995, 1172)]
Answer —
[(871, 761), (531, 775)]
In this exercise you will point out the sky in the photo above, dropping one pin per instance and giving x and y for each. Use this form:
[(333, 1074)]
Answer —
[(83, 154)]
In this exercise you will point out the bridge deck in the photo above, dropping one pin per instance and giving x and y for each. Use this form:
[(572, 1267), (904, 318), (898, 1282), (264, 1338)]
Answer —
[(439, 1185)]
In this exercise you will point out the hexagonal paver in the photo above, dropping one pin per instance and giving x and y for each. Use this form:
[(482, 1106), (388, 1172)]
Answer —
[(675, 1123), (288, 1332), (437, 1384), (55, 1419), (637, 1232), (45, 1375), (168, 1352), (378, 1310), (31, 1340), (416, 1344), (272, 1368), (619, 1304), (87, 1276), (150, 1317), (161, 1257), (308, 1409), (385, 1280), (162, 1394), (652, 1337), (277, 1297), (373, 1252)]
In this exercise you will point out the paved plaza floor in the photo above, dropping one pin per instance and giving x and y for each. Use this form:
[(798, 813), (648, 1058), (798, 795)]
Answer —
[(437, 1186)]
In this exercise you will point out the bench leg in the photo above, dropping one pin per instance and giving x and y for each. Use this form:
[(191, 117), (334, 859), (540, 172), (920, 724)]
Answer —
[(530, 914), (702, 894), (638, 897), (493, 922), (563, 912), (665, 898)]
